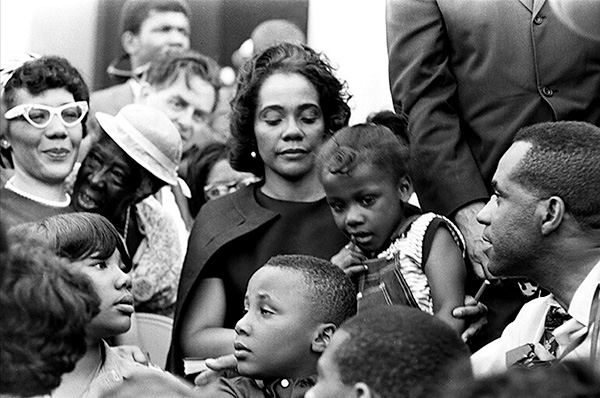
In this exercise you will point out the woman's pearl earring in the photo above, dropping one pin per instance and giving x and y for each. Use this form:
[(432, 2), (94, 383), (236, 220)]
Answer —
[(253, 154), (4, 143)]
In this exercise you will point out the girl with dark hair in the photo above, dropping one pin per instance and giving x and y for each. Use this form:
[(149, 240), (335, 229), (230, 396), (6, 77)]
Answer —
[(397, 257), (287, 103), (44, 110), (93, 248)]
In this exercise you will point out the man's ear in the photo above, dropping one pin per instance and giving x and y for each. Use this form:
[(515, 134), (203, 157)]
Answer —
[(405, 188), (322, 337), (362, 390), (130, 42), (552, 211)]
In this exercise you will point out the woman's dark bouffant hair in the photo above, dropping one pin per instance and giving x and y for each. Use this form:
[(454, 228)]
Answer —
[(282, 58), (46, 73)]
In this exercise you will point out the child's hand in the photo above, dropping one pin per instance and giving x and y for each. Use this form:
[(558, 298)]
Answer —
[(350, 259)]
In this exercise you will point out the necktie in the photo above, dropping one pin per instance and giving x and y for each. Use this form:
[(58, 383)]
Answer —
[(555, 317)]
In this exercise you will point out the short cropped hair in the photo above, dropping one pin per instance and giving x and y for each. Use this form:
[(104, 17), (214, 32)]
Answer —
[(45, 312), (565, 379), (166, 69), (382, 142), (564, 161), (399, 351), (332, 292), (43, 74), (76, 236), (135, 12), (284, 58)]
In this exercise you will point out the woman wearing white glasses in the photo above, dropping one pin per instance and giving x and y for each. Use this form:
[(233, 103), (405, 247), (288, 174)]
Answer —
[(44, 109)]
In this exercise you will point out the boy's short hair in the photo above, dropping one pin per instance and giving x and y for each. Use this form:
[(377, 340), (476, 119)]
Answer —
[(399, 351), (45, 312), (135, 12), (333, 292), (75, 236), (167, 67), (564, 160), (383, 141)]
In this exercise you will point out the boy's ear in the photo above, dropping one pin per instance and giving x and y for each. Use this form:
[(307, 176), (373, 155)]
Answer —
[(322, 337), (405, 188)]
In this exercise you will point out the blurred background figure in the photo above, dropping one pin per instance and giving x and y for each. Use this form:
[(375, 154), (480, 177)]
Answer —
[(211, 176), (148, 28)]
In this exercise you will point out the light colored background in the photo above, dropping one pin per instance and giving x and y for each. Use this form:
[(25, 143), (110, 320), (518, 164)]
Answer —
[(350, 32)]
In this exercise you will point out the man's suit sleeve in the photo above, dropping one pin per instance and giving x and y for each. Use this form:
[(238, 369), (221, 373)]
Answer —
[(445, 174)]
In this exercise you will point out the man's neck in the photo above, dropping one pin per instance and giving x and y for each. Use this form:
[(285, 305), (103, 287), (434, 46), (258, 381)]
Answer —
[(566, 272)]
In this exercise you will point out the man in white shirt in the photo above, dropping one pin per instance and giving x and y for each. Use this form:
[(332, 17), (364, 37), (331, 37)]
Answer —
[(543, 223)]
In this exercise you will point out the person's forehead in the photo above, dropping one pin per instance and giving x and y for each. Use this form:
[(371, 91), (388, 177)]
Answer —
[(114, 154), (191, 87), (166, 17), (510, 161)]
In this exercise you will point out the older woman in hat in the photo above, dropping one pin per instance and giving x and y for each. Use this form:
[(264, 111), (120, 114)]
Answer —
[(137, 153), (44, 108)]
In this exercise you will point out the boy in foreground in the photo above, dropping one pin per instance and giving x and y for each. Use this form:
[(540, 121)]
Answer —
[(293, 305), (391, 352)]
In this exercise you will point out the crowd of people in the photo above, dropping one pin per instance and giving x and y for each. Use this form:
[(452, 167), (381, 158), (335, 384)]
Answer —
[(285, 250)]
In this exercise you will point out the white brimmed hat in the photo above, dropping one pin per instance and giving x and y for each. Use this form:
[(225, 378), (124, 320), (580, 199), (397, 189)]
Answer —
[(148, 137)]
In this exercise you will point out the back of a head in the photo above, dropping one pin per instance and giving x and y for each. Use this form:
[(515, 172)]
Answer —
[(565, 379), (167, 67), (382, 142), (332, 292), (75, 236), (135, 12), (400, 351), (275, 31), (564, 161), (45, 313)]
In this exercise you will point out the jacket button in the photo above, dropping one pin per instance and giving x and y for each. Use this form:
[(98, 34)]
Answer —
[(547, 91), (538, 20)]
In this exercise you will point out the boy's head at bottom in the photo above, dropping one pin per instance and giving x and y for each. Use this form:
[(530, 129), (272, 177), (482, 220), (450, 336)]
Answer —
[(293, 305), (391, 351)]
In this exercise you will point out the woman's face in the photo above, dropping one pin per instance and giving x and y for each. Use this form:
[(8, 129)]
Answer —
[(44, 154), (107, 181), (113, 286), (289, 127)]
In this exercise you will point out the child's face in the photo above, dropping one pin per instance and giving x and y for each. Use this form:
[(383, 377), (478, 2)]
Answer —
[(113, 287), (274, 336), (329, 383), (367, 205)]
